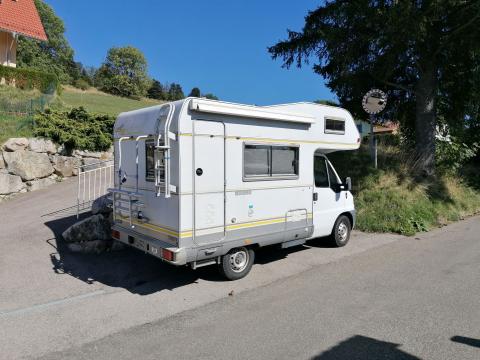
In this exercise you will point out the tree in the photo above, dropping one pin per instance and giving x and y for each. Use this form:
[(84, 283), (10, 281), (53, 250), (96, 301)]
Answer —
[(156, 91), (327, 102), (53, 56), (124, 72), (195, 92), (175, 92), (425, 53), (210, 96)]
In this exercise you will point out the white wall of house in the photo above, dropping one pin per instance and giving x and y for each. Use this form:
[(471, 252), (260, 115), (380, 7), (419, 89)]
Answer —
[(8, 49)]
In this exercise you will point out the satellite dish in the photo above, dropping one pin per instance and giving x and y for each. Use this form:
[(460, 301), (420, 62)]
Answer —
[(374, 101)]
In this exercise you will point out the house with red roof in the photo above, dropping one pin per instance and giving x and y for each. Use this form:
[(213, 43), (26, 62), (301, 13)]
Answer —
[(17, 17)]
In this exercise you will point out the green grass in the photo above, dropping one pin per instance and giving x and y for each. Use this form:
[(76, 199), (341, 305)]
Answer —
[(393, 200), (99, 102), (15, 104)]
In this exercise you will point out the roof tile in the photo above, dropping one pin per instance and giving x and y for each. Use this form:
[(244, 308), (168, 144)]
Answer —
[(21, 16)]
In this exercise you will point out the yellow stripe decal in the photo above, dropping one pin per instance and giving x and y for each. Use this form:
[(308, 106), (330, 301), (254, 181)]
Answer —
[(189, 233)]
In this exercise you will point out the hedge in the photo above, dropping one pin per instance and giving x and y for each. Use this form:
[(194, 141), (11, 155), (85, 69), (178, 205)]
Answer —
[(25, 78)]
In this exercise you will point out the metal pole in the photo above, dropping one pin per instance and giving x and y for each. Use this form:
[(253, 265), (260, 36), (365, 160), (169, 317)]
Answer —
[(373, 142)]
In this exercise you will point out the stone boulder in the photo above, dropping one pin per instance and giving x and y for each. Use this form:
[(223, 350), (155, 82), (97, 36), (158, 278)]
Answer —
[(102, 205), (95, 227), (28, 164), (92, 163), (65, 166), (15, 144), (40, 145), (40, 183), (10, 184)]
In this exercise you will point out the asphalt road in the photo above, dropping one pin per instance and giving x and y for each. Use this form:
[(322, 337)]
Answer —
[(382, 296)]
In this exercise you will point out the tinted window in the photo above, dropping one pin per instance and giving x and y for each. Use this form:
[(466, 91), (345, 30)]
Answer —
[(284, 160), (256, 160), (335, 126), (149, 161), (270, 161), (320, 172)]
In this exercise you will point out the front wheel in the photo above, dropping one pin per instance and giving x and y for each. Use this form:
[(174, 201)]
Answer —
[(341, 231), (237, 263)]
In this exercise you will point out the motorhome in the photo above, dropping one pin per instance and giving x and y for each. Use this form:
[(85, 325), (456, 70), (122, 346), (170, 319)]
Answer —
[(202, 182)]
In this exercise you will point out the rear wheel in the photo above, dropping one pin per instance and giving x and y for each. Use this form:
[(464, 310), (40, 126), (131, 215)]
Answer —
[(237, 263), (341, 231)]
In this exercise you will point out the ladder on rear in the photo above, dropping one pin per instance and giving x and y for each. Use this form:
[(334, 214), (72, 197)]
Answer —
[(131, 201)]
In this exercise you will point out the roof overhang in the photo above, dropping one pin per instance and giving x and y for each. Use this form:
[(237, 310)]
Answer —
[(257, 112)]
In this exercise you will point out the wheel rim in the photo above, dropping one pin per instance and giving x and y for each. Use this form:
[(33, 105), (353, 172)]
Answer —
[(342, 232), (239, 260)]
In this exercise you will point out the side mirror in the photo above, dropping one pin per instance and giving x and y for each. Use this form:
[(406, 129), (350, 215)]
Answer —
[(348, 184)]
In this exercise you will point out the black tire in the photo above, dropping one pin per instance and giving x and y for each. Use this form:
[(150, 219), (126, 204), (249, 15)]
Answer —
[(341, 231), (237, 263)]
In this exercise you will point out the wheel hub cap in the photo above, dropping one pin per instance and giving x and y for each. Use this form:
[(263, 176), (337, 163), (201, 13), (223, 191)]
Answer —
[(239, 260), (342, 232)]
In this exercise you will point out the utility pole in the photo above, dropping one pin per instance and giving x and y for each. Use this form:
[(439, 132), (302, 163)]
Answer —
[(373, 103)]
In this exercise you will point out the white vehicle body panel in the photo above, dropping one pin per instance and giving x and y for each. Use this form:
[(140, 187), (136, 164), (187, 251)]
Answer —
[(214, 205)]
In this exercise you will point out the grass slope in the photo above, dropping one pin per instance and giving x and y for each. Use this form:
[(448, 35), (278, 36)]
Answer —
[(16, 106), (100, 102), (392, 200)]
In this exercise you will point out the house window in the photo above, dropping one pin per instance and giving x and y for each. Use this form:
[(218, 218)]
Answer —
[(334, 126), (270, 162), (149, 160)]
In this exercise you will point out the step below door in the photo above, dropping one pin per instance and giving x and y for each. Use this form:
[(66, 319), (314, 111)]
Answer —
[(209, 180)]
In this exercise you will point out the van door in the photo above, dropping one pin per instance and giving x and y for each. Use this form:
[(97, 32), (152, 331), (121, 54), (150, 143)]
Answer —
[(209, 181), (327, 204)]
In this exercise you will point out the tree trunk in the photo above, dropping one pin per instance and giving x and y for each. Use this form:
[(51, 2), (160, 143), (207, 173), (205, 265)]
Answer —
[(425, 121)]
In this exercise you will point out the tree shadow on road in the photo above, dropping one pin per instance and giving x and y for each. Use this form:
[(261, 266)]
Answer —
[(466, 340), (360, 347), (130, 269)]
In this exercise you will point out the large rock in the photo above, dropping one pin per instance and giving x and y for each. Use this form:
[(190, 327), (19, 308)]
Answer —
[(2, 162), (42, 145), (65, 165), (102, 205), (89, 247), (96, 227), (28, 164), (10, 184), (15, 144), (92, 163), (40, 183), (99, 155)]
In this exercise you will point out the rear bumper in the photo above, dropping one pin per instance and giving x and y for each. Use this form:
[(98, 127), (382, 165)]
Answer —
[(150, 245)]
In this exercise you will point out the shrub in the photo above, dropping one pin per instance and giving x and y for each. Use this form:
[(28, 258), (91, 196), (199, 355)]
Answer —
[(27, 79), (452, 154), (76, 129), (81, 84)]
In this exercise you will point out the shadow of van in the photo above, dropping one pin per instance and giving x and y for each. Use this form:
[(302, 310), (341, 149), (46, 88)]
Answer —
[(136, 271)]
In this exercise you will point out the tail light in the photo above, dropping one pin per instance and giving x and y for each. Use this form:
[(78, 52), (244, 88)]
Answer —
[(168, 255), (116, 234)]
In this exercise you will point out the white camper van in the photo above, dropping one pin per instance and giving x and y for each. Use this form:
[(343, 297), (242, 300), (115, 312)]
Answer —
[(203, 182)]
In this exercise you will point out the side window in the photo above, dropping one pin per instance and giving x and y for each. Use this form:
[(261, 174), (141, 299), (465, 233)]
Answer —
[(267, 162), (284, 160), (320, 172), (256, 159), (334, 126), (149, 160), (333, 178)]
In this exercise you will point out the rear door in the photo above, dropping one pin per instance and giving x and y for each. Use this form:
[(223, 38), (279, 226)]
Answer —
[(209, 181)]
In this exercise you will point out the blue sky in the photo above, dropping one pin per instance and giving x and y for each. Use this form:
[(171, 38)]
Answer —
[(219, 46)]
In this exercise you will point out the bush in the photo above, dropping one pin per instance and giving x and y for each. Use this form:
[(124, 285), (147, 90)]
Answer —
[(451, 155), (76, 129), (81, 84), (28, 79)]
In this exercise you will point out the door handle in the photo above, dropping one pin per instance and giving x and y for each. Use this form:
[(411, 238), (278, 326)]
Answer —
[(315, 196)]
